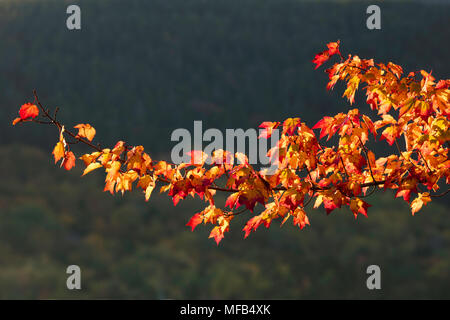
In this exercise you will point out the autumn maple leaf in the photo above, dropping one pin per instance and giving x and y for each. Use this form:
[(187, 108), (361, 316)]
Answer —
[(252, 225), (390, 134), (268, 129), (217, 234), (300, 218), (421, 200), (325, 125), (68, 161), (443, 84), (322, 57), (195, 220), (290, 125), (333, 48), (27, 111), (85, 131), (58, 151), (359, 206), (91, 167)]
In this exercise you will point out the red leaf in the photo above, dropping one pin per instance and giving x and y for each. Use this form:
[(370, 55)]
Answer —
[(321, 58), (231, 201), (195, 220), (329, 205), (69, 161), (28, 110), (443, 84), (268, 126), (325, 125), (252, 224), (406, 194)]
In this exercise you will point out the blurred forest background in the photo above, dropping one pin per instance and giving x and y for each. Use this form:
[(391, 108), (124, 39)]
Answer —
[(139, 69)]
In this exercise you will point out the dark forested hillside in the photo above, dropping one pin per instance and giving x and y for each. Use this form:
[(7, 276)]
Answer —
[(162, 64), (139, 69), (128, 248)]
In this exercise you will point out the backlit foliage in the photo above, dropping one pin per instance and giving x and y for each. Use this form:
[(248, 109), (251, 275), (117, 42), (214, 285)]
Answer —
[(413, 119)]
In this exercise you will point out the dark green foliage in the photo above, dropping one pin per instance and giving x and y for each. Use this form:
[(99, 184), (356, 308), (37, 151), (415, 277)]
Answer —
[(128, 248)]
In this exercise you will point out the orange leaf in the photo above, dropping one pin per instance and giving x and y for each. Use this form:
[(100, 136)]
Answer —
[(147, 184), (217, 234), (69, 161), (359, 206), (300, 218), (85, 131), (89, 158), (390, 134), (333, 48), (290, 125)]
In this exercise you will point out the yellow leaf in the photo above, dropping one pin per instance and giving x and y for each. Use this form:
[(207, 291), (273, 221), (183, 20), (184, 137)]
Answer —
[(58, 151), (165, 188), (89, 158), (318, 201), (352, 86), (421, 200), (149, 191), (91, 167)]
